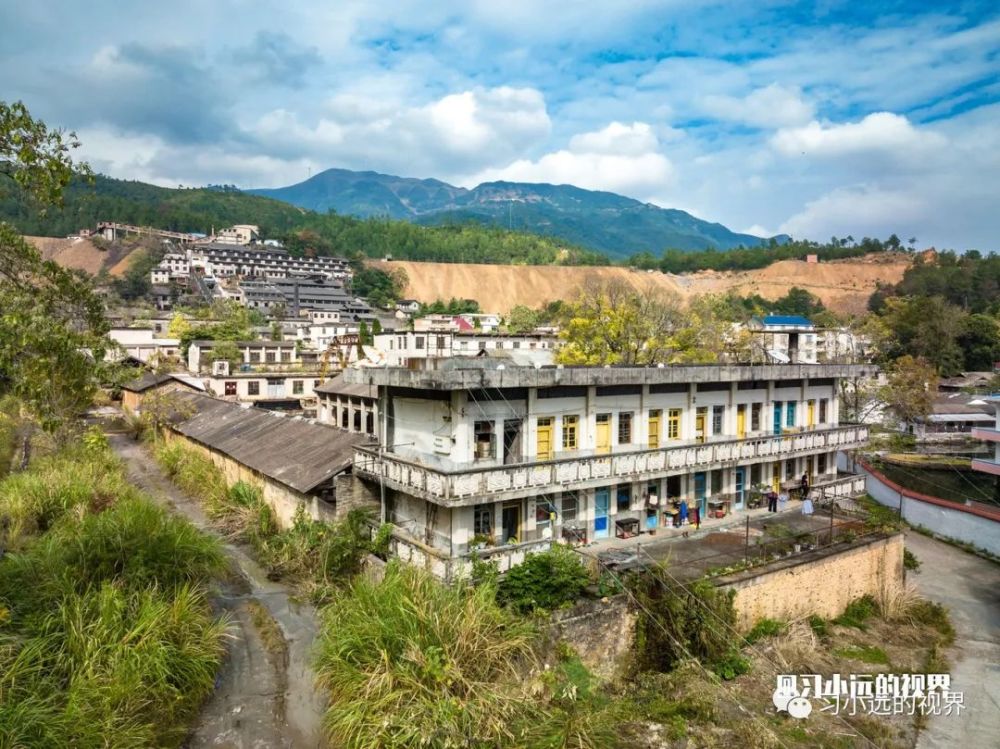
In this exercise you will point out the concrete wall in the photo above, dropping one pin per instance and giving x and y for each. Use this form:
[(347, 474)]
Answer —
[(969, 524), (816, 582), (282, 499)]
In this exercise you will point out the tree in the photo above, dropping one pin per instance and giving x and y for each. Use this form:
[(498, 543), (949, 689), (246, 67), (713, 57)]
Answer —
[(980, 342), (225, 351), (52, 326), (613, 324), (178, 326), (521, 319), (709, 334), (925, 327), (910, 386), (376, 328)]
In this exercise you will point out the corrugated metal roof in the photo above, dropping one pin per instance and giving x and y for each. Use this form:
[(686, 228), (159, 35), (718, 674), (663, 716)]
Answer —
[(152, 379), (295, 452)]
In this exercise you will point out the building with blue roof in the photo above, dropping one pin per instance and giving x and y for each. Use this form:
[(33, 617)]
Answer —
[(786, 339)]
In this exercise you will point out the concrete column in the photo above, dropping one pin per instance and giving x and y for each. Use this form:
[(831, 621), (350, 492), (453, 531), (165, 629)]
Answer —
[(729, 422), (688, 418), (641, 428)]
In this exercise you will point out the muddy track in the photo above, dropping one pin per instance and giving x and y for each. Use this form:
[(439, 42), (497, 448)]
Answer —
[(264, 696)]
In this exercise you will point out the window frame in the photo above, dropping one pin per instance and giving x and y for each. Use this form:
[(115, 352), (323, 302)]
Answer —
[(570, 438), (625, 418)]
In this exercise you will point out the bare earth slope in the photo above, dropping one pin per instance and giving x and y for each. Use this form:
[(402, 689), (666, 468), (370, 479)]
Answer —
[(844, 285), (81, 254)]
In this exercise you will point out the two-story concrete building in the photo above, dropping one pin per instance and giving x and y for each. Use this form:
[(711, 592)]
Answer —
[(476, 453)]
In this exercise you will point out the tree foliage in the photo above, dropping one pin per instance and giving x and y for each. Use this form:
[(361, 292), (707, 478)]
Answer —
[(52, 327), (910, 387)]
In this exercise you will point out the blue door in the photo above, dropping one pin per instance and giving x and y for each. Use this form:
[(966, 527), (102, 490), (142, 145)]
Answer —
[(602, 498), (699, 493), (777, 417), (740, 487)]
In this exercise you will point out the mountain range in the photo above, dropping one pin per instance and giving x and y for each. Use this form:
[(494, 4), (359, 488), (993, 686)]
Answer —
[(603, 221)]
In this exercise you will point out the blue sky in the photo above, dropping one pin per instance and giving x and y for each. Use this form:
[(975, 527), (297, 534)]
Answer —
[(820, 118)]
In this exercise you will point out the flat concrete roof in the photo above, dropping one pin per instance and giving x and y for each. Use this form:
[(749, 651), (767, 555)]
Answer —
[(461, 373)]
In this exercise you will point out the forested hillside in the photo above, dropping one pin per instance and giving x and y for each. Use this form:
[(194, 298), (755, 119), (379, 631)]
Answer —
[(201, 209)]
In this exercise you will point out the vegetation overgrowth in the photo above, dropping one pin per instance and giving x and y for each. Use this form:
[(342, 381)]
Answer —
[(107, 638), (318, 556)]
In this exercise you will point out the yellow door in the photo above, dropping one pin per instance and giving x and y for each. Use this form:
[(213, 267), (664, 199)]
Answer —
[(699, 425), (776, 476), (811, 413), (544, 439), (741, 421), (603, 441), (654, 429)]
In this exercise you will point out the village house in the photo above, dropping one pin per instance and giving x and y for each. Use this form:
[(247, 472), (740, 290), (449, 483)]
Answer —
[(135, 391), (142, 344), (785, 338), (480, 454), (409, 348)]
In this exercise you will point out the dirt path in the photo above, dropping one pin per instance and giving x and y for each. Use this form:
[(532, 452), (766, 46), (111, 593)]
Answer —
[(970, 588), (263, 698)]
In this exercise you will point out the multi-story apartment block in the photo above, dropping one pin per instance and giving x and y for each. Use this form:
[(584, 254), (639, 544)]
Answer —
[(255, 356), (513, 457), (408, 348)]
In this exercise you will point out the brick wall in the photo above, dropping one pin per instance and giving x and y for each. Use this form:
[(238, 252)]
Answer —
[(817, 582)]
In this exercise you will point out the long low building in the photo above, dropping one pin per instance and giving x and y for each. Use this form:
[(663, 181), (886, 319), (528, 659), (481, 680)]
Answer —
[(478, 453), (296, 462)]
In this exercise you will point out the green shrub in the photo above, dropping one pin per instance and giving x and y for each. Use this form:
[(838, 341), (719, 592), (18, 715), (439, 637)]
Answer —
[(413, 662), (863, 653), (910, 560), (818, 626), (730, 665), (933, 615), (544, 581), (765, 628), (857, 612)]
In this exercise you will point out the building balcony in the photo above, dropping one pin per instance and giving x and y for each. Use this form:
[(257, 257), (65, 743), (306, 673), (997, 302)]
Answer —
[(472, 483), (987, 435)]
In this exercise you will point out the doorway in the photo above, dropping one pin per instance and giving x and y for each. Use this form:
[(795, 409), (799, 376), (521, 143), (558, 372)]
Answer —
[(777, 417), (739, 487), (700, 419), (603, 436), (602, 498), (699, 493), (741, 421), (543, 440), (511, 521)]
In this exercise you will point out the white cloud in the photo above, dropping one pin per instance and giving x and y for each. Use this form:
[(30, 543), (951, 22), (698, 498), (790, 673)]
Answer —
[(880, 132), (866, 210), (771, 106), (620, 158)]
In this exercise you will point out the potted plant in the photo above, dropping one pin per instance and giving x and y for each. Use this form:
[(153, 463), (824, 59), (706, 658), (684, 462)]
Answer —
[(480, 541)]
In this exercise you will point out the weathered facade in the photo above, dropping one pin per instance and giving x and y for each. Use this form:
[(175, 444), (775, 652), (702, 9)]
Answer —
[(502, 460)]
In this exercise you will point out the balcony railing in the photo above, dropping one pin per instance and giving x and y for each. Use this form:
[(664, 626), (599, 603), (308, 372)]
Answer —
[(464, 485)]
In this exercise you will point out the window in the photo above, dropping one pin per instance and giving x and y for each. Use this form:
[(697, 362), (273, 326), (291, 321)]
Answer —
[(624, 498), (789, 469), (823, 405), (482, 345), (484, 439), (821, 463), (269, 357), (569, 506), (297, 387), (717, 413), (674, 424), (253, 387), (286, 356), (755, 474), (624, 428), (442, 342), (790, 414), (755, 417), (482, 520), (255, 357), (230, 387), (716, 482), (570, 425), (418, 341), (515, 344)]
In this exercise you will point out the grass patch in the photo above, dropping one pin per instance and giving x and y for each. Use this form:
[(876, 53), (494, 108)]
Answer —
[(910, 561), (765, 628), (857, 612), (317, 556), (863, 653), (106, 634), (819, 626)]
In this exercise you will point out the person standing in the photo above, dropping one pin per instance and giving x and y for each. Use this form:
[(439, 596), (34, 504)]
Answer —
[(783, 500), (804, 486), (772, 501), (696, 516)]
